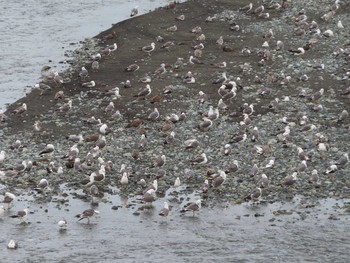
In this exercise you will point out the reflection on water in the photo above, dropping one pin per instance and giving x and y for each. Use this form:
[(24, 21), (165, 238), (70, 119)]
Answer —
[(37, 32), (239, 233)]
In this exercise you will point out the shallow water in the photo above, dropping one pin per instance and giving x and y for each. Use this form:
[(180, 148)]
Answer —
[(37, 32), (231, 233)]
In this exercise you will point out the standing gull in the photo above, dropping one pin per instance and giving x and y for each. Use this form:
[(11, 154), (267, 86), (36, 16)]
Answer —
[(219, 180), (145, 92), (87, 214), (193, 206), (164, 212), (62, 224)]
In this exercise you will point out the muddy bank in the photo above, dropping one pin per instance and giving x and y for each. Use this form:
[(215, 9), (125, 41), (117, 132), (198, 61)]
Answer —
[(261, 74)]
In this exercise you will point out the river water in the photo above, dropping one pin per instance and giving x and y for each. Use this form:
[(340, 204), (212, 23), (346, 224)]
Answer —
[(35, 33)]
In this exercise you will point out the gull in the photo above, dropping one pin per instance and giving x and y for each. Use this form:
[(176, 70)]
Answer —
[(317, 95), (343, 115), (149, 196), (62, 224), (240, 138), (194, 60), (143, 141), (49, 149), (95, 65), (177, 183), (164, 212), (134, 11), (22, 215), (269, 34), (220, 64), (313, 179), (289, 180), (259, 10), (222, 105), (159, 161), (65, 107), (93, 121), (342, 160), (255, 134), (167, 45), (191, 144), (180, 17), (302, 166), (2, 156), (144, 92), (42, 185), (264, 181), (179, 63), (135, 123), (198, 46), (220, 41), (220, 79), (148, 49), (132, 68), (8, 199), (172, 28), (219, 180), (227, 149), (302, 155), (59, 95), (232, 168), (202, 97), (328, 33), (37, 126), (196, 30), (270, 164), (205, 124), (279, 45), (43, 87), (198, 53), (88, 213), (169, 138), (3, 117), (201, 159), (254, 171), (255, 194), (124, 180), (83, 73), (145, 79), (331, 169), (248, 109), (213, 114), (154, 115), (104, 129), (340, 25), (21, 109), (89, 84), (160, 70), (297, 52), (246, 8), (109, 108), (193, 207), (57, 78)]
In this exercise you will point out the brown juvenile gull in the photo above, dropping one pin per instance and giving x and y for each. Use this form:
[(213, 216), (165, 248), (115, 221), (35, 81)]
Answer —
[(164, 212), (21, 109), (219, 180), (89, 84), (254, 195), (289, 180), (149, 196), (193, 207), (167, 45), (134, 11), (87, 214), (144, 92), (159, 161), (132, 68), (22, 215)]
